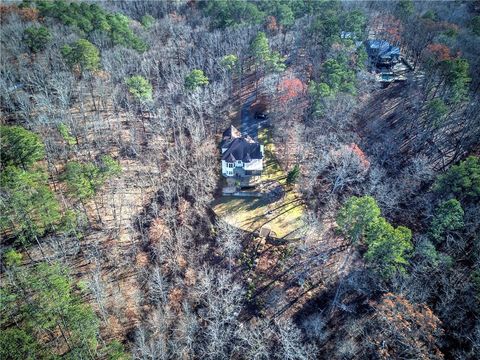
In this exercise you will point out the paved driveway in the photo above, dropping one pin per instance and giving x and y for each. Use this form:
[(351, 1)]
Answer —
[(249, 123)]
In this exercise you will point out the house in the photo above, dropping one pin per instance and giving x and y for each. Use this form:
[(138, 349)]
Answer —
[(242, 157), (382, 54), (386, 61)]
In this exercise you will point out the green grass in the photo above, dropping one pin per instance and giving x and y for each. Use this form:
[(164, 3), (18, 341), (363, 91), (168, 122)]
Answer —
[(283, 217)]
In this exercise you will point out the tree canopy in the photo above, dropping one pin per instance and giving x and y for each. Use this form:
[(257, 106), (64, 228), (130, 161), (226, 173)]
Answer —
[(326, 24), (260, 48), (226, 13), (338, 75), (90, 17), (293, 175), (263, 56), (37, 38), (356, 215), (147, 20), (140, 88), (84, 179), (28, 205), (388, 248), (354, 22), (229, 62), (39, 304), (82, 53), (448, 217), (461, 181), (20, 147), (456, 72), (405, 8), (195, 79)]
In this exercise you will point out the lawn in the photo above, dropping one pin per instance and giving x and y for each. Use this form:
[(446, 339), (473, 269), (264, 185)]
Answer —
[(283, 216)]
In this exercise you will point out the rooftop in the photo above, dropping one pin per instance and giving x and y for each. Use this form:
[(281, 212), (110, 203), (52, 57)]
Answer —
[(242, 149), (382, 48), (238, 147)]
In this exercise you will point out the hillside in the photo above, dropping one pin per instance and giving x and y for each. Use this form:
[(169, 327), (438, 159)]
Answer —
[(127, 233)]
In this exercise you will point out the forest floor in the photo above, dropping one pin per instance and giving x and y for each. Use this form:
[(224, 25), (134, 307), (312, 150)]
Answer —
[(107, 258)]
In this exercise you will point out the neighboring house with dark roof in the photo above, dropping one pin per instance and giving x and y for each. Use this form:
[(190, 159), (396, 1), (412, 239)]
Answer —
[(381, 53), (241, 155), (386, 62)]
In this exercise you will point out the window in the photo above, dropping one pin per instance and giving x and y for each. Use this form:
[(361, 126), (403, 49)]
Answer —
[(239, 162), (230, 165)]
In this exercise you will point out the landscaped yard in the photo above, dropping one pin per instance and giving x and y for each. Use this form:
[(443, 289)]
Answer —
[(283, 216)]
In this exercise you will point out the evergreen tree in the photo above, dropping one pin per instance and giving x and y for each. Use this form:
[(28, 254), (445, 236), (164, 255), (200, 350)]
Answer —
[(326, 23), (293, 175), (448, 217), (195, 79), (436, 110), (82, 54), (147, 21), (461, 181), (64, 130), (12, 258), (88, 18), (405, 9), (19, 147), (85, 179), (17, 344), (356, 216), (338, 75), (475, 25), (140, 88), (37, 38), (39, 304), (226, 13), (264, 58), (388, 247), (229, 62), (260, 49), (276, 62), (456, 73), (28, 208), (355, 22), (285, 15)]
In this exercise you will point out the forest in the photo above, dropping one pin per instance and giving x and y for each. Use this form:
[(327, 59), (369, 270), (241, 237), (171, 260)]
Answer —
[(123, 237)]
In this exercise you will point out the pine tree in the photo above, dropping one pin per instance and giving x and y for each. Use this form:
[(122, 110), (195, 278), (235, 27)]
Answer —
[(461, 181), (293, 175), (195, 79), (20, 147), (448, 217), (356, 215), (28, 208), (37, 38), (82, 54), (38, 305), (140, 88)]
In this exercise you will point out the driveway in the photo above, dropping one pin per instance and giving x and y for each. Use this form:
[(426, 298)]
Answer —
[(250, 125)]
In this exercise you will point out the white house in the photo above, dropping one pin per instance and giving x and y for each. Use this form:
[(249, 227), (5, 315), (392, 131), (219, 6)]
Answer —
[(241, 155)]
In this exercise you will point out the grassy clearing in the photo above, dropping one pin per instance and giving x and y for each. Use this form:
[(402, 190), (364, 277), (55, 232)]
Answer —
[(284, 216)]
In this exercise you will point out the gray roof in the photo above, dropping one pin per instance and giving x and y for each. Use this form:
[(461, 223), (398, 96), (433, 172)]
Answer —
[(242, 149), (382, 48)]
